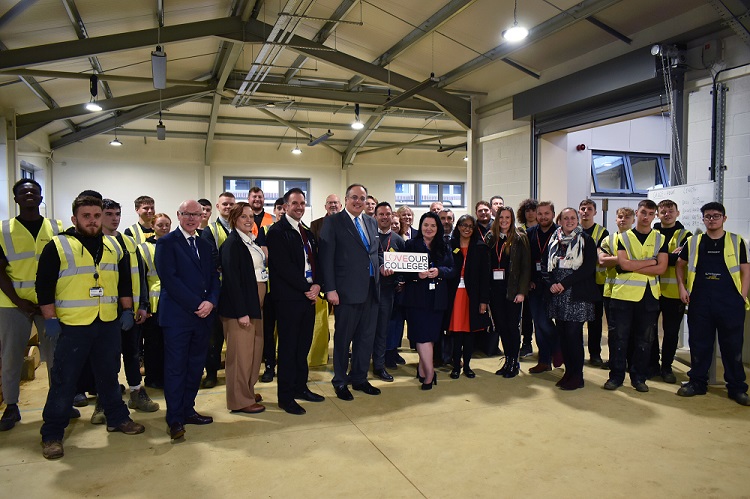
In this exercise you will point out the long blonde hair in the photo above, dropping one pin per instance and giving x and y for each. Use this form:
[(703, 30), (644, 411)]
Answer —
[(512, 236)]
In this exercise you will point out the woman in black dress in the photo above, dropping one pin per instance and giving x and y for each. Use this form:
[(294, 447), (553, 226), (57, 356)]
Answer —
[(569, 268), (426, 294)]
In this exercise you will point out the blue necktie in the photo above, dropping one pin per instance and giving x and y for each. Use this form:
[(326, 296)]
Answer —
[(364, 239), (191, 240)]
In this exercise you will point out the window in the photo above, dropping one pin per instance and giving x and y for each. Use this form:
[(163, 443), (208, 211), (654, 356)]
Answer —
[(425, 193), (273, 188), (27, 170), (628, 173)]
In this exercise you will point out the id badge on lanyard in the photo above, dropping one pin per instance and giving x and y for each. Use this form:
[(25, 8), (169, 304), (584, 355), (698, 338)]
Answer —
[(498, 274)]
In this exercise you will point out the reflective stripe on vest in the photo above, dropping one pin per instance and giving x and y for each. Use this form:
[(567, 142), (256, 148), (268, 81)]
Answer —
[(74, 304), (135, 277), (22, 252), (147, 251), (611, 273), (137, 232), (630, 286), (668, 280), (220, 235), (731, 260), (268, 219), (601, 272)]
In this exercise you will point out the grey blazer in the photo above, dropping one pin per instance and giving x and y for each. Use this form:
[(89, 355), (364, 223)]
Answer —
[(345, 259)]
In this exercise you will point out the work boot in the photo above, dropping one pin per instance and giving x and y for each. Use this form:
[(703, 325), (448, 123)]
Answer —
[(53, 449), (140, 400), (98, 416)]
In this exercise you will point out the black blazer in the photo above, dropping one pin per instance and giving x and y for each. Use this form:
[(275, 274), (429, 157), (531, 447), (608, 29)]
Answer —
[(345, 260), (286, 261), (476, 278), (417, 293), (238, 284), (582, 282)]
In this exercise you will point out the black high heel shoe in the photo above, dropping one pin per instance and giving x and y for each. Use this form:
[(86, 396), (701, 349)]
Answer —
[(428, 386)]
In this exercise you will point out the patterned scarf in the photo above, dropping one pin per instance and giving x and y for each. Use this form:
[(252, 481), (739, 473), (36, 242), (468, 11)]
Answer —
[(572, 245)]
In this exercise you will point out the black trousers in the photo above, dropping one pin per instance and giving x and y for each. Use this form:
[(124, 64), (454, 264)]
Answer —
[(215, 344), (636, 319), (153, 351), (571, 344), (507, 317), (385, 307), (672, 312), (296, 321), (527, 325), (463, 348), (595, 328), (131, 349), (269, 327)]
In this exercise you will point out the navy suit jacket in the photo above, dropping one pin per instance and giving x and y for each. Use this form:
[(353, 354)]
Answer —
[(345, 259), (186, 281)]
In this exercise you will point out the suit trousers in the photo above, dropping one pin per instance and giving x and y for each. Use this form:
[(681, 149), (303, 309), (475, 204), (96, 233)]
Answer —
[(99, 342), (184, 356), (15, 329), (244, 357), (269, 332), (296, 320), (385, 308), (355, 326), (153, 352)]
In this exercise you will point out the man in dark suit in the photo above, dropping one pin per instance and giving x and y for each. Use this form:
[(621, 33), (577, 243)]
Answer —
[(189, 294), (351, 280), (333, 206), (293, 268)]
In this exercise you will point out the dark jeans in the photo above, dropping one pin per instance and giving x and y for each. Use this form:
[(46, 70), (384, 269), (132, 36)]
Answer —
[(215, 345), (672, 312), (571, 344), (507, 316), (153, 351), (708, 316), (463, 348), (295, 338), (636, 319), (395, 328), (131, 354), (99, 342), (385, 307), (527, 324), (546, 336), (269, 327), (595, 329)]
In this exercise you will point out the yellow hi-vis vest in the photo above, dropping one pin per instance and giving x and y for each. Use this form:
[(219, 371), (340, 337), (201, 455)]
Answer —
[(601, 272), (631, 286), (731, 259), (220, 235), (132, 250), (73, 303), (668, 280), (609, 245), (147, 251), (138, 235), (22, 253)]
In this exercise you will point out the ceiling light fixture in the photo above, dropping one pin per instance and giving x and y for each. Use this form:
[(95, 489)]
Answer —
[(296, 151), (116, 142), (159, 68), (466, 158), (357, 124), (515, 33), (320, 139), (92, 105)]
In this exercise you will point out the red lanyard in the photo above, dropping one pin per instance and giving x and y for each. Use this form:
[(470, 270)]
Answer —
[(499, 252), (389, 243), (538, 241)]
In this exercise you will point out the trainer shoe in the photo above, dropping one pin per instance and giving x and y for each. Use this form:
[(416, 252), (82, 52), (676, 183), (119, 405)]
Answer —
[(53, 449), (526, 351), (668, 376), (80, 400), (128, 427), (640, 386), (140, 400), (10, 417), (611, 385), (98, 416)]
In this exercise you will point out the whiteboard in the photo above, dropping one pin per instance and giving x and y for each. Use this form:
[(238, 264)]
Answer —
[(689, 199)]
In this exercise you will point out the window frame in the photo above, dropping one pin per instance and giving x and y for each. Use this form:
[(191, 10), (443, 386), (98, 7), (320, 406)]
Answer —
[(258, 180), (417, 185), (627, 157)]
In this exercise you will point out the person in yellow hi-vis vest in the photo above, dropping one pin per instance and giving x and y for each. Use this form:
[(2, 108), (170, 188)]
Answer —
[(587, 212), (216, 233), (642, 257), (144, 207), (21, 241), (671, 307), (608, 260), (81, 278), (713, 276)]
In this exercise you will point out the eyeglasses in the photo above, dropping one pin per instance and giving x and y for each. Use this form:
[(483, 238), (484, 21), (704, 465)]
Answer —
[(355, 198), (466, 226), (709, 218), (188, 214)]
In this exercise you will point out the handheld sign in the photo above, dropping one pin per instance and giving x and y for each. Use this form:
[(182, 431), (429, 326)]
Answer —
[(405, 262)]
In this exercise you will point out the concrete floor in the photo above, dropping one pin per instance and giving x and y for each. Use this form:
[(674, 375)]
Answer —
[(486, 437)]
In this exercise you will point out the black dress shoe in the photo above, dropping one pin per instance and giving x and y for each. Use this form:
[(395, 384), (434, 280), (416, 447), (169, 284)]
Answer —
[(741, 398), (367, 388), (306, 394), (268, 375), (455, 374), (198, 419), (176, 430), (292, 407), (208, 382), (343, 392), (469, 373), (382, 374), (399, 359)]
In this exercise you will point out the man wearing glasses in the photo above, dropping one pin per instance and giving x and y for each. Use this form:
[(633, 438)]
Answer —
[(351, 281), (333, 206), (713, 275), (189, 294)]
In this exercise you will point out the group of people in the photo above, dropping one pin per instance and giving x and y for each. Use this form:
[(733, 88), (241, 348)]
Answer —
[(175, 297)]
